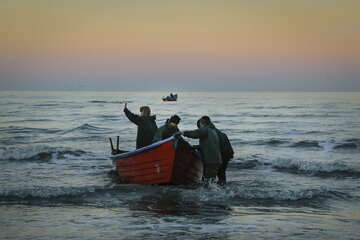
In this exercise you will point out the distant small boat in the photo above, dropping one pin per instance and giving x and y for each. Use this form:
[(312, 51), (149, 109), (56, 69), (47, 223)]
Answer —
[(172, 161), (170, 98)]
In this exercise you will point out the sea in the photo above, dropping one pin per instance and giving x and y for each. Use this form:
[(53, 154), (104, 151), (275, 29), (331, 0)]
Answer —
[(295, 172)]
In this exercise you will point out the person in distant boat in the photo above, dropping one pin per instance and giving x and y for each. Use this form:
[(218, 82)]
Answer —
[(209, 147), (168, 129), (146, 125), (171, 96)]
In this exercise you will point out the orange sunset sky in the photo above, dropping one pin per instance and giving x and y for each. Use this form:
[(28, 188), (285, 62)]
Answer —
[(173, 45)]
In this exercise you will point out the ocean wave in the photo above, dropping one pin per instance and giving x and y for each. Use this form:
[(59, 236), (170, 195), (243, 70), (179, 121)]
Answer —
[(278, 116), (337, 169), (211, 194), (108, 116), (102, 101), (273, 142), (306, 143), (313, 132), (112, 194), (338, 144), (327, 145), (48, 105), (244, 164), (36, 120), (282, 194), (234, 192), (29, 130), (332, 169), (223, 116), (86, 128), (276, 107), (90, 138), (38, 153), (39, 192), (270, 142)]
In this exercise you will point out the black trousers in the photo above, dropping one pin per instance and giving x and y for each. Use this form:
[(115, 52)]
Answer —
[(221, 173), (209, 174)]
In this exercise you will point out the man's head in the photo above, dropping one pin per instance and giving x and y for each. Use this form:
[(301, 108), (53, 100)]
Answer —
[(145, 111), (174, 120), (204, 120)]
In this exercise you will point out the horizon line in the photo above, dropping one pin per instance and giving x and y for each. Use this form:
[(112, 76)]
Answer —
[(210, 91)]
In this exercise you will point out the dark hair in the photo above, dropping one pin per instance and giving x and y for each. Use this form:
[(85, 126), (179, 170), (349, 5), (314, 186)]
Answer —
[(175, 119), (205, 120)]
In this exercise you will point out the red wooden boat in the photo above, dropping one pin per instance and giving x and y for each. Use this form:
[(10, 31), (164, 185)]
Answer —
[(172, 161)]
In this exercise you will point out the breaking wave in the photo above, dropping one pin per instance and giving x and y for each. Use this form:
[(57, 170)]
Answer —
[(212, 194), (347, 144), (248, 193), (47, 192), (327, 145), (337, 169), (88, 128), (306, 143), (38, 153), (29, 130)]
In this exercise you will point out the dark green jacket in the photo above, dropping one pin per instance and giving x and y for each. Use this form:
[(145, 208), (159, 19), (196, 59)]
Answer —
[(165, 131), (226, 149), (209, 143), (146, 128)]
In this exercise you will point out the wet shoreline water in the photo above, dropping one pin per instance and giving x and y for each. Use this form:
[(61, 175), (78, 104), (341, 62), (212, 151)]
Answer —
[(295, 175)]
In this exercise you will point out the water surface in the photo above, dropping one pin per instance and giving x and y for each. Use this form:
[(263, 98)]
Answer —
[(295, 175)]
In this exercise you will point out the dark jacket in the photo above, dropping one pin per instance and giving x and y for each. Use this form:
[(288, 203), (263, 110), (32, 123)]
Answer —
[(146, 128), (165, 131), (209, 143), (226, 149)]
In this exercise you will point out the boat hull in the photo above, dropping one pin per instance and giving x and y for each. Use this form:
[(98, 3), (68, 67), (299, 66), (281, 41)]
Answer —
[(171, 161)]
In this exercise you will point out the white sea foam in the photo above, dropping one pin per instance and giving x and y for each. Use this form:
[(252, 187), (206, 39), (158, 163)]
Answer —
[(317, 162), (22, 153), (311, 166), (216, 193), (38, 152), (332, 144), (44, 192)]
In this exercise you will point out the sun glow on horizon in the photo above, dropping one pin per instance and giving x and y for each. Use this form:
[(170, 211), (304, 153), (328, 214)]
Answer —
[(133, 39)]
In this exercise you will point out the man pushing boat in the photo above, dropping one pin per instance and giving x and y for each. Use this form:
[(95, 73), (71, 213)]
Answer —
[(168, 129), (209, 145)]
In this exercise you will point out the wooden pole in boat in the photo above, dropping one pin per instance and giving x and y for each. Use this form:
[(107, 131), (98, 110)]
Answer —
[(117, 144), (112, 147)]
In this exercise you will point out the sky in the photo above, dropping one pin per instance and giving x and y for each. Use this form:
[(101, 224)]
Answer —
[(180, 45)]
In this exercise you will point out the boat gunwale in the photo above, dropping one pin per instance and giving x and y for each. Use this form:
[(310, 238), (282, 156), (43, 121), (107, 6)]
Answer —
[(154, 146)]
